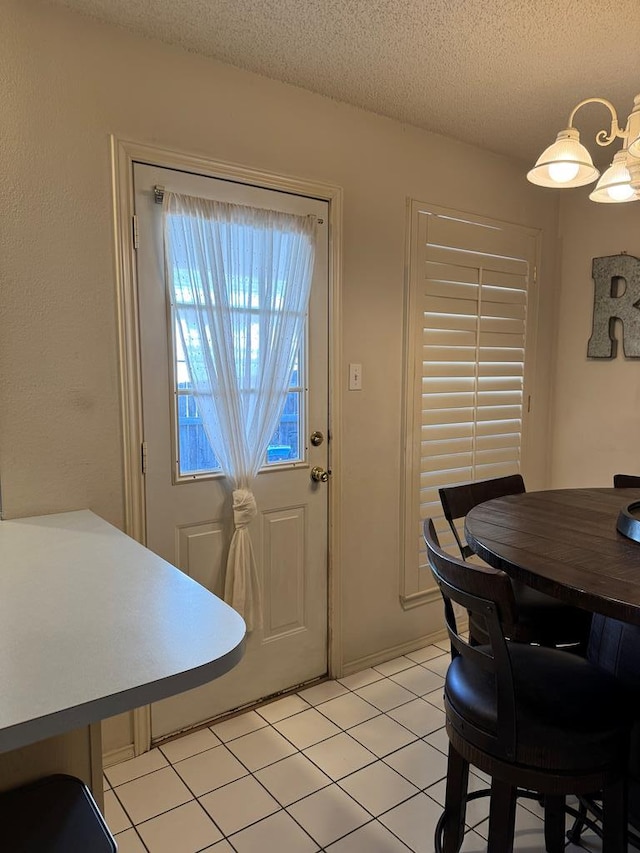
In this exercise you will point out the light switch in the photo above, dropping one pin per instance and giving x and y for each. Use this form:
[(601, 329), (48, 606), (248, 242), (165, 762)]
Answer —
[(355, 377)]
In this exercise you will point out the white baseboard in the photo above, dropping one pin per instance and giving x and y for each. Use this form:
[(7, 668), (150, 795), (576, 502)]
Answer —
[(392, 652), (115, 756)]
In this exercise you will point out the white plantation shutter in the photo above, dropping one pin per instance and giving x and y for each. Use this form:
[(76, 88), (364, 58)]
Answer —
[(470, 281)]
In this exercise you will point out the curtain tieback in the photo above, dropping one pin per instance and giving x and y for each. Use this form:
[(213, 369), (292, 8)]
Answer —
[(244, 507)]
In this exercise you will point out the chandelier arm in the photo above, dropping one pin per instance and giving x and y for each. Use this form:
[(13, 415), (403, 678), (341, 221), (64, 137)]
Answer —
[(602, 137)]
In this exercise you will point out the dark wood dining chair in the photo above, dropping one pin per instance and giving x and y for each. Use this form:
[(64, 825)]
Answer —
[(542, 619), (458, 500), (536, 720), (626, 481)]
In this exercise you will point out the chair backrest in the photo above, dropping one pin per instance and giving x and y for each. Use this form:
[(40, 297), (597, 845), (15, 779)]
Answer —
[(458, 500), (626, 481), (486, 593)]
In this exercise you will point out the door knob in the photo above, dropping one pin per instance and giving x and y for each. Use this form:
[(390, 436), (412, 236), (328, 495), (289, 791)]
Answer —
[(319, 475)]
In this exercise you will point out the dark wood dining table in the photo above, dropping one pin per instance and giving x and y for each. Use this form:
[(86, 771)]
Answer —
[(565, 543)]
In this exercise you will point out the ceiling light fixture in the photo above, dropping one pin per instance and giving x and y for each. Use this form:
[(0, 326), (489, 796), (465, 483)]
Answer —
[(567, 163)]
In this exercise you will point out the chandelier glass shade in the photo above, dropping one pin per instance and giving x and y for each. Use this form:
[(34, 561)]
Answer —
[(634, 147), (615, 184), (568, 163)]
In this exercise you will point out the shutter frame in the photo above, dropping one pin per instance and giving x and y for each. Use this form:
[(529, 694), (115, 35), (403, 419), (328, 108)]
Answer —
[(468, 307)]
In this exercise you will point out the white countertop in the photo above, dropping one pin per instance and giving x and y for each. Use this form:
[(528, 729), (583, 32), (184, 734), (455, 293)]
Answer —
[(92, 624)]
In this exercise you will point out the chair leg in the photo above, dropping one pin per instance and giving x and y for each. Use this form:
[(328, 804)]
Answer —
[(574, 832), (554, 824), (614, 817), (455, 804), (502, 817)]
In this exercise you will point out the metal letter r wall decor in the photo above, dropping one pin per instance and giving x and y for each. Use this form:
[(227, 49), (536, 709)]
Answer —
[(612, 302)]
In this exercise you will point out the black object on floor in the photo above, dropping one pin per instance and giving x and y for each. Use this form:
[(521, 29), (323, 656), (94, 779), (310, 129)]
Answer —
[(56, 814)]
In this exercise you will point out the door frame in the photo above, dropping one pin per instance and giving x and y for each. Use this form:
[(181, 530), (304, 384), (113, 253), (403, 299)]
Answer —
[(123, 155)]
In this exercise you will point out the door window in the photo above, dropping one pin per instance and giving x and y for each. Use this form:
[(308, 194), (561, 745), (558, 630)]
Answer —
[(194, 455)]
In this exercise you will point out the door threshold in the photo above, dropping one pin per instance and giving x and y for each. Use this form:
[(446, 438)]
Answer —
[(236, 712)]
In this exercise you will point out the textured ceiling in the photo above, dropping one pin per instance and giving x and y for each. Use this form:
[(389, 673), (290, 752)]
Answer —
[(501, 74)]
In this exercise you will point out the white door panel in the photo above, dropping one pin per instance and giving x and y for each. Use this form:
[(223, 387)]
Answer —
[(190, 523)]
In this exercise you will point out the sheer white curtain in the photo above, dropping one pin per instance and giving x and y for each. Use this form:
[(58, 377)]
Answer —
[(239, 280)]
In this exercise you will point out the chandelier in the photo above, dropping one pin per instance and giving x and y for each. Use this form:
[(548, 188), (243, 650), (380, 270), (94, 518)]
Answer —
[(567, 163)]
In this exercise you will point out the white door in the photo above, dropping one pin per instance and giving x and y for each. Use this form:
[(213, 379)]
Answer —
[(188, 502)]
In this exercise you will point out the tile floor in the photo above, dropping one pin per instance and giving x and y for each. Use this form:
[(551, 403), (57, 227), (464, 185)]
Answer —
[(350, 766)]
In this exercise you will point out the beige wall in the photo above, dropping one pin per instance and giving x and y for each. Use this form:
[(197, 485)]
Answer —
[(67, 83), (596, 413)]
